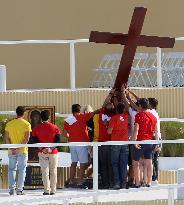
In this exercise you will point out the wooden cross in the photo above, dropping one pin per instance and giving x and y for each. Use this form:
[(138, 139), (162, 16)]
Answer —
[(131, 41)]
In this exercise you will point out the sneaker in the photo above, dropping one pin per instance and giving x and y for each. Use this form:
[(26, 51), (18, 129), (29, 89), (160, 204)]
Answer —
[(136, 186), (71, 185), (20, 192), (46, 193), (125, 186), (52, 193), (116, 187), (12, 192), (81, 186), (131, 184), (106, 187)]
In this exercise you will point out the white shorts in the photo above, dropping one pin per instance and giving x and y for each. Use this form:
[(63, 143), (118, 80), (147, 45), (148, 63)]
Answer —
[(79, 154)]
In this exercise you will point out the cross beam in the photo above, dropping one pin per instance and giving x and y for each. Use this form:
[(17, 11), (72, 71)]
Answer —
[(143, 40), (131, 41)]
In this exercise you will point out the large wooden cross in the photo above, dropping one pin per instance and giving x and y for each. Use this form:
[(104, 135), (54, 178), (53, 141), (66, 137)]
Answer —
[(131, 41)]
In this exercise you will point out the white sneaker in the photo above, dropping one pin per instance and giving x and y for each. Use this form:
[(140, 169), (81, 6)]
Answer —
[(154, 183)]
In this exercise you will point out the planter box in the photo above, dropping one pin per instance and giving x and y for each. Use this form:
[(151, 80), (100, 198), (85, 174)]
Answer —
[(171, 163)]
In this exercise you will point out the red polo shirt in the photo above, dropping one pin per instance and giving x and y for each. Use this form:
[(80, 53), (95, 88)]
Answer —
[(78, 131), (103, 135), (119, 125), (147, 123), (46, 132)]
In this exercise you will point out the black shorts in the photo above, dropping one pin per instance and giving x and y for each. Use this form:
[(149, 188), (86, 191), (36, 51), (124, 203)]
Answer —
[(146, 151)]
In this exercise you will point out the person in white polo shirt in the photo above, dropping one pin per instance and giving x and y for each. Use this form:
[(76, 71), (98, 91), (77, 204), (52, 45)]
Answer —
[(157, 148)]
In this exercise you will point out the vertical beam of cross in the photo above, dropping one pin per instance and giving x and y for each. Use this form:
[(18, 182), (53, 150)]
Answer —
[(130, 48)]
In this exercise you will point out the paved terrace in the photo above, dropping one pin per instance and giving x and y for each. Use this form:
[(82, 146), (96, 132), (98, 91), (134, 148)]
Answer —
[(36, 197)]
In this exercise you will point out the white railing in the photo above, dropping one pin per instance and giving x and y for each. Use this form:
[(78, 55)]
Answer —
[(95, 146), (73, 56), (72, 51)]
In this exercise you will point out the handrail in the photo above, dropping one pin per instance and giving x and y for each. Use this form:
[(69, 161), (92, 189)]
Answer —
[(13, 42), (95, 146), (86, 40), (72, 43), (178, 141)]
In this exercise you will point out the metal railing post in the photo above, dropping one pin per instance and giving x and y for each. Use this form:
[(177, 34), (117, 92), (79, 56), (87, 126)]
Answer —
[(95, 167), (65, 202), (72, 65), (159, 67), (171, 196), (180, 180)]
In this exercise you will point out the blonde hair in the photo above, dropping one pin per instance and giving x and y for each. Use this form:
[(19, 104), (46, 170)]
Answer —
[(88, 108)]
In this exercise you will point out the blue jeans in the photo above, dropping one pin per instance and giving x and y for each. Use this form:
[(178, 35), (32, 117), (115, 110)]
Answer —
[(119, 160), (20, 161)]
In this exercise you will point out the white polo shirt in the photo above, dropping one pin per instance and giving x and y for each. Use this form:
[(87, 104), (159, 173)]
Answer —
[(155, 113)]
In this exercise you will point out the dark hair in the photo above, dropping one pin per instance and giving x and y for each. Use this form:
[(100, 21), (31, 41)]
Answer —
[(109, 109), (137, 103), (33, 113), (120, 108), (45, 114), (20, 110), (144, 103), (153, 102), (76, 108)]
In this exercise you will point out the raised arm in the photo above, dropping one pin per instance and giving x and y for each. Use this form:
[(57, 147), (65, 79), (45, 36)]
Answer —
[(108, 98), (125, 101), (133, 94), (115, 100), (132, 104)]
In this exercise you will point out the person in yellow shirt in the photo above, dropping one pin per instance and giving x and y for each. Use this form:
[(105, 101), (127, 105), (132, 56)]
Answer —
[(17, 131)]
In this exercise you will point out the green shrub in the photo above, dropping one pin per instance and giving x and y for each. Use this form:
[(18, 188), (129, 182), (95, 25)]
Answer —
[(3, 120), (60, 123), (172, 131)]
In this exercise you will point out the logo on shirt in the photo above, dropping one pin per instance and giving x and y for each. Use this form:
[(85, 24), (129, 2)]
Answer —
[(105, 118), (121, 118)]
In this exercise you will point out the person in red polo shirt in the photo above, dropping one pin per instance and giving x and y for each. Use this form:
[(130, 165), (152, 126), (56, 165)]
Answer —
[(145, 129), (75, 128), (47, 132), (104, 152), (118, 129)]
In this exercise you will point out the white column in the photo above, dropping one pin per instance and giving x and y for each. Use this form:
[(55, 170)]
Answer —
[(2, 78), (72, 65), (180, 177), (171, 196), (95, 168), (159, 67), (65, 202)]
